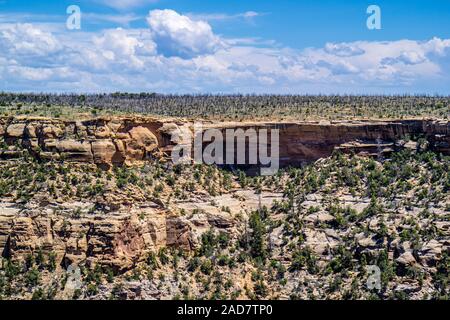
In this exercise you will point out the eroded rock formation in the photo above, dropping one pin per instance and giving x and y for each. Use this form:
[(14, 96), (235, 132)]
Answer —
[(118, 239), (124, 237), (117, 141)]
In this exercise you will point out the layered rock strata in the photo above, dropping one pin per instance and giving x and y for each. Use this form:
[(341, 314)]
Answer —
[(117, 141)]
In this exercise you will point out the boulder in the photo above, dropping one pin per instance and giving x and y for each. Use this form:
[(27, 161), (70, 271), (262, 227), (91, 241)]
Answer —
[(51, 132), (144, 138), (16, 130), (430, 253), (406, 259)]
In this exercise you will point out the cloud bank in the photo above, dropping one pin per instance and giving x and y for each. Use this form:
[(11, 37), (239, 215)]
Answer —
[(180, 54)]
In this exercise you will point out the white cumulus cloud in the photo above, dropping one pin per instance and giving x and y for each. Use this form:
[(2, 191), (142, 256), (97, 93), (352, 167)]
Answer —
[(178, 35), (26, 39)]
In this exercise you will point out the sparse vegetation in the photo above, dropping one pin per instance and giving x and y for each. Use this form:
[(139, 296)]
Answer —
[(231, 107), (327, 223)]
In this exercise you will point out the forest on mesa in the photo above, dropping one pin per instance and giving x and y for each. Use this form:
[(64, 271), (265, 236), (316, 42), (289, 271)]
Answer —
[(229, 107)]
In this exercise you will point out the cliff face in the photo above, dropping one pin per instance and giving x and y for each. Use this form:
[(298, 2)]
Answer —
[(104, 142), (117, 141), (307, 142), (119, 239)]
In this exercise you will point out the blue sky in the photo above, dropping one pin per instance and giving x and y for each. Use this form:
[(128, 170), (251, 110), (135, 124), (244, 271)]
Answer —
[(228, 46)]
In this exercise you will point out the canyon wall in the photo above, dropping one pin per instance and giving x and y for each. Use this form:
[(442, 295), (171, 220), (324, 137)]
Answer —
[(124, 237), (119, 239), (127, 140)]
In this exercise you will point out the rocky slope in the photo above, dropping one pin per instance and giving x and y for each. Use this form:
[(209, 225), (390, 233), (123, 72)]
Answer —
[(152, 230)]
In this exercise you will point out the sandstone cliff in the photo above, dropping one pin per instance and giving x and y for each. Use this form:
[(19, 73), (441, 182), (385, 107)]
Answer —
[(124, 140), (119, 239)]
